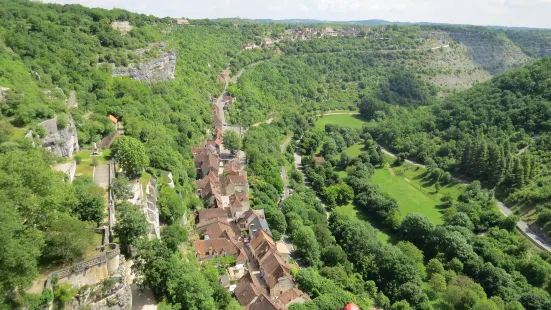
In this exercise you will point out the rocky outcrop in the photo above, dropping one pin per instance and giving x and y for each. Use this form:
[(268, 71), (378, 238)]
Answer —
[(3, 92), (62, 142), (159, 69)]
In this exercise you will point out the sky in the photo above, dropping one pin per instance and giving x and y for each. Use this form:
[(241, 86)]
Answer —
[(517, 13)]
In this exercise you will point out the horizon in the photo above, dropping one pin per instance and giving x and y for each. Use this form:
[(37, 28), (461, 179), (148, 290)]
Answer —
[(500, 13)]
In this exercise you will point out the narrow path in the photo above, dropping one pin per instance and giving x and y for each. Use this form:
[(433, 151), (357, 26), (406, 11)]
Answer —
[(339, 113), (240, 72), (521, 225)]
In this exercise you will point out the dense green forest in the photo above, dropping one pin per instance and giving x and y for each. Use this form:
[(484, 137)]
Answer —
[(45, 52), (495, 133)]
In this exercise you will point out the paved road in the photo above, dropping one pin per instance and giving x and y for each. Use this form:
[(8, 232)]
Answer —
[(521, 225), (101, 176)]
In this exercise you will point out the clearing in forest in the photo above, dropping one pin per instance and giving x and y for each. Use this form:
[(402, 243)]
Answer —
[(353, 121)]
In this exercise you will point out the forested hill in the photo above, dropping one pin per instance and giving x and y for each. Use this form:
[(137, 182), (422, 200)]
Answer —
[(497, 132)]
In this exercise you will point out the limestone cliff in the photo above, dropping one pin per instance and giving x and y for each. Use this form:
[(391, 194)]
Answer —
[(159, 69), (60, 141)]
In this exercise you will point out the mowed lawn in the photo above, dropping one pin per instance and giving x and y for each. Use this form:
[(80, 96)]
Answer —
[(355, 214), (410, 197), (353, 121)]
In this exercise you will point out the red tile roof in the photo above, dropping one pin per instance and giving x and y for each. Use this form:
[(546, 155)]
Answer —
[(113, 119), (351, 306)]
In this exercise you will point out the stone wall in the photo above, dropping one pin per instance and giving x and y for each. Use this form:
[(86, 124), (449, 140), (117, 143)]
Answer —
[(159, 69), (118, 298)]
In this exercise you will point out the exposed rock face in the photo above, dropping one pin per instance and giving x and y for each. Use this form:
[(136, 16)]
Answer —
[(159, 69), (3, 91), (61, 142)]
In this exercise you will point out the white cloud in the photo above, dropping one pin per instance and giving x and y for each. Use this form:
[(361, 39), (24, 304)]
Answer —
[(530, 13)]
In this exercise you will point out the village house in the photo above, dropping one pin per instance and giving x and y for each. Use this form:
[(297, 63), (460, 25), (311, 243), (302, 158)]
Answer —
[(264, 302), (217, 228), (222, 77), (253, 221), (248, 289), (209, 214), (182, 21), (236, 184), (327, 31), (207, 162), (239, 204), (228, 101), (209, 249), (267, 42), (276, 274), (293, 296), (233, 167), (249, 46), (206, 189)]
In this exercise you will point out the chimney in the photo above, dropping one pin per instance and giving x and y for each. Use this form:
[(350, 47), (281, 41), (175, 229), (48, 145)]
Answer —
[(210, 250)]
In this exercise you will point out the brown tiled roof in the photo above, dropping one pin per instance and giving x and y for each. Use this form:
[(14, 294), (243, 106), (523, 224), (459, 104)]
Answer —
[(199, 150), (211, 177), (234, 168), (260, 238), (237, 198), (263, 302), (319, 159), (207, 214), (274, 268), (209, 189), (106, 142), (218, 245), (237, 179), (248, 288), (288, 296), (216, 228)]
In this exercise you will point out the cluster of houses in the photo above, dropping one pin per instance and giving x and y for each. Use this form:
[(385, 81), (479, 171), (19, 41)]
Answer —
[(266, 42), (304, 33), (260, 278)]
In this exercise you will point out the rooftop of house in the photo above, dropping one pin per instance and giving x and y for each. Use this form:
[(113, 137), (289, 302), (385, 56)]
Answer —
[(319, 159), (219, 246), (208, 188), (248, 288), (264, 302), (237, 179), (282, 248), (290, 295), (261, 237), (237, 199), (217, 228), (113, 119), (208, 214)]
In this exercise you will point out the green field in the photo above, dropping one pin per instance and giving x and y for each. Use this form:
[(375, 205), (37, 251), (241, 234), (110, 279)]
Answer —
[(353, 121), (411, 198), (357, 215), (410, 185), (354, 150)]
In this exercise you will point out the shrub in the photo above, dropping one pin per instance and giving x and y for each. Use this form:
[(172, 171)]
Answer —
[(62, 121)]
